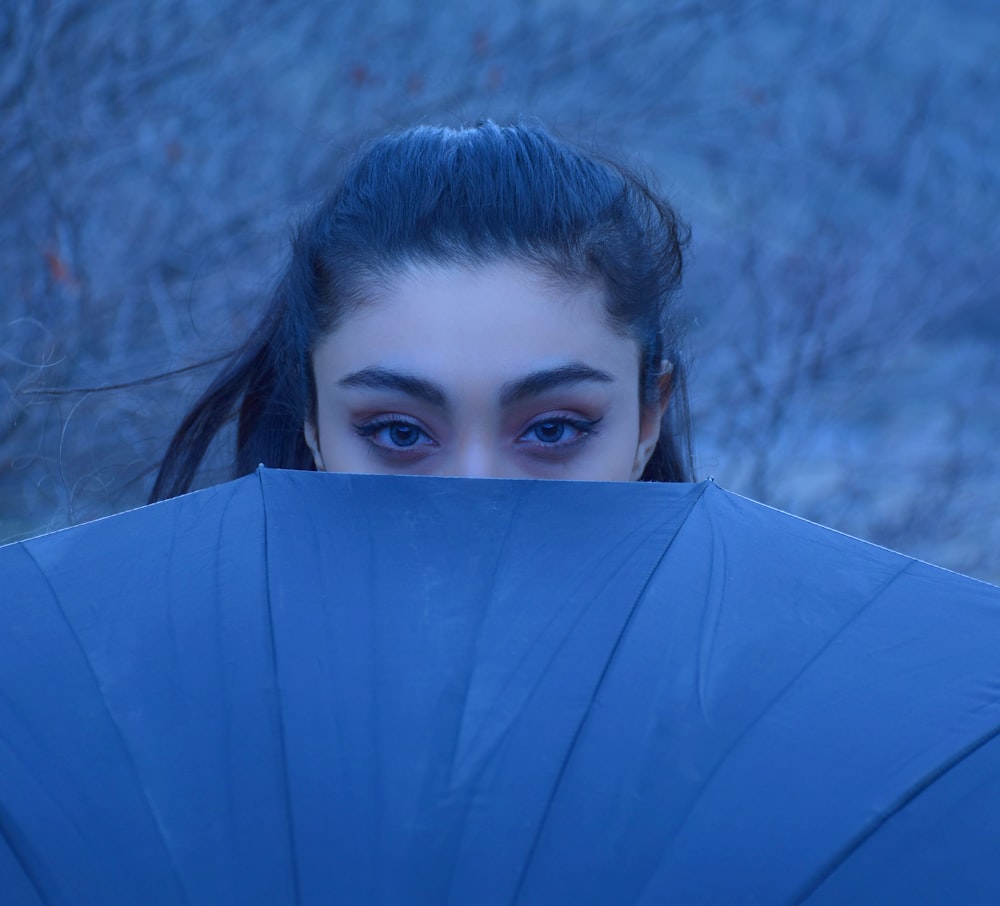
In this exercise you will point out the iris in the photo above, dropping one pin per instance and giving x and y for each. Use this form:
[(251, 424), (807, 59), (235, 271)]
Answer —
[(549, 432)]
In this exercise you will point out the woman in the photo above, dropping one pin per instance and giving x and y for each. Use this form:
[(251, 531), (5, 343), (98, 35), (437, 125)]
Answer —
[(486, 301)]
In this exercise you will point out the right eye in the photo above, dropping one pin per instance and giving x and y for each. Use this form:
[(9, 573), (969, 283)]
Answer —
[(394, 434)]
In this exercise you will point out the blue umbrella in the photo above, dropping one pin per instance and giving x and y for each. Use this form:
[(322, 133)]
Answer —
[(307, 688)]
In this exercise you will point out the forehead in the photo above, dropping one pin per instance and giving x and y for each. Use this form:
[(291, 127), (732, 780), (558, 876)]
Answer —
[(483, 322)]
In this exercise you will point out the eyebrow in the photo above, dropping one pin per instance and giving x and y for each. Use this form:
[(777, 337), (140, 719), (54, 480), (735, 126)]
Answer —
[(539, 382), (533, 384), (386, 379)]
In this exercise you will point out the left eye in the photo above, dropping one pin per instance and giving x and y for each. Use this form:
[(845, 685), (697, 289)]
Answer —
[(558, 432), (549, 432)]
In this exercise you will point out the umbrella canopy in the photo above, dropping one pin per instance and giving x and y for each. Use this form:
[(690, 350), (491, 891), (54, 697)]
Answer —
[(309, 688)]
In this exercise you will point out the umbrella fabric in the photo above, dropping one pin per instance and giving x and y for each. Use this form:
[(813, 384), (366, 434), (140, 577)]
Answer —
[(305, 688)]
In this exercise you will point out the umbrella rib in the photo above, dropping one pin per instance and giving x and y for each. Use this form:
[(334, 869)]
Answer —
[(7, 835), (901, 803), (282, 740), (593, 696), (114, 723), (784, 690)]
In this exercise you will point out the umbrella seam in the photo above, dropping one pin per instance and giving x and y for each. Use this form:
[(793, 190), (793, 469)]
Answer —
[(285, 780), (114, 723), (457, 738), (914, 792), (784, 689), (903, 801), (593, 696), (6, 823)]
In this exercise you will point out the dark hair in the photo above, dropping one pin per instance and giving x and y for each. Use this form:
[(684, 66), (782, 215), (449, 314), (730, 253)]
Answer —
[(440, 195)]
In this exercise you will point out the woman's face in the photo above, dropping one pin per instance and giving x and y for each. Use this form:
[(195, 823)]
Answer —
[(490, 372)]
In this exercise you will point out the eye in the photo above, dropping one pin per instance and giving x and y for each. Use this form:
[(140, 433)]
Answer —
[(557, 432), (394, 434), (402, 435), (549, 432)]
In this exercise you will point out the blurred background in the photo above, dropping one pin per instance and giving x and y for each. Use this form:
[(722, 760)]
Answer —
[(838, 163)]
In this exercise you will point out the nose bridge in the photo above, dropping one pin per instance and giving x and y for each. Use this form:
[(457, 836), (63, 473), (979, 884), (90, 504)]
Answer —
[(476, 458)]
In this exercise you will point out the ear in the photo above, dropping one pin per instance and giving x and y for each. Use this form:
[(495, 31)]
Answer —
[(312, 442), (650, 421)]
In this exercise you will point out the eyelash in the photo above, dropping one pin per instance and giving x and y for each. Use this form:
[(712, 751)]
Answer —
[(583, 427), (369, 429)]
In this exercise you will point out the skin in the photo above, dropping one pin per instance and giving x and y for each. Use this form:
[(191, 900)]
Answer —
[(485, 372)]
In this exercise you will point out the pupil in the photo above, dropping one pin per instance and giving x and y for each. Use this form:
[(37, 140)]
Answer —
[(403, 435), (550, 432)]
